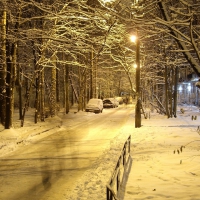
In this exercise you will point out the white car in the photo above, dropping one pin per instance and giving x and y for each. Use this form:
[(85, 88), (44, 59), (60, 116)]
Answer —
[(115, 101), (94, 105), (119, 99)]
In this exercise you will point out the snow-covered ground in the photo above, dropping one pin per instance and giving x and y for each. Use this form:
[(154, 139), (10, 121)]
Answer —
[(164, 156)]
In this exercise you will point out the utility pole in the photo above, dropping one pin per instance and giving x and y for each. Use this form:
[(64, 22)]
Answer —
[(138, 103)]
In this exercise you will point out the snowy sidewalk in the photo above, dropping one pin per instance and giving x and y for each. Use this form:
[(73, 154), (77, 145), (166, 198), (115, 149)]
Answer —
[(165, 160), (11, 139)]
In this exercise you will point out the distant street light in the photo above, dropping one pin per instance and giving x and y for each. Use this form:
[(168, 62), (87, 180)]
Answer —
[(135, 66), (136, 40), (189, 87), (107, 1)]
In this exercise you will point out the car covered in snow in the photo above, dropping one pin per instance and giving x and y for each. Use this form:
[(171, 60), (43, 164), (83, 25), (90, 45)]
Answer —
[(110, 103), (94, 105), (115, 102), (119, 99), (107, 103)]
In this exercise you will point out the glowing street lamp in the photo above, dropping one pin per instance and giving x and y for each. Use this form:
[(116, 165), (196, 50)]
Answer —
[(136, 40), (108, 1), (133, 38)]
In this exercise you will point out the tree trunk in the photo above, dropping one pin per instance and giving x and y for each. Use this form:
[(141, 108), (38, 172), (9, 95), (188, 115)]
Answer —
[(19, 90), (53, 89), (10, 82), (92, 75), (37, 86), (67, 89), (170, 92), (175, 91), (166, 92), (8, 91), (13, 79), (28, 91), (79, 86), (57, 89), (95, 76), (85, 89), (3, 69), (42, 94), (64, 83)]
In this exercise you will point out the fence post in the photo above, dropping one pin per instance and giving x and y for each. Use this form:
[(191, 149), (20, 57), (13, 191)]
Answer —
[(116, 174), (124, 155), (118, 180)]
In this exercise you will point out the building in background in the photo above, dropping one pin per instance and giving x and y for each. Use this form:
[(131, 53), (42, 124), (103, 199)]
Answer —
[(188, 89)]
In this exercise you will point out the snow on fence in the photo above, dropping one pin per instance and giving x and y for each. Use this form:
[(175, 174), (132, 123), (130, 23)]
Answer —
[(113, 185)]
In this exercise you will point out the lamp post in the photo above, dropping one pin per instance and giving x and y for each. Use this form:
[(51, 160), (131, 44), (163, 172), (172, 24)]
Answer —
[(138, 100)]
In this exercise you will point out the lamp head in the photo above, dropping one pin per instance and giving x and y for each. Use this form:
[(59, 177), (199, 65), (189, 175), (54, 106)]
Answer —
[(133, 38)]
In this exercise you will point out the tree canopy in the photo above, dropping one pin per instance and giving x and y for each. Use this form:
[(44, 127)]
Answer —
[(90, 40)]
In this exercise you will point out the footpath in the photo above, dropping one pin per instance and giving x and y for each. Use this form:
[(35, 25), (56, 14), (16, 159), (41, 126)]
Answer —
[(165, 155)]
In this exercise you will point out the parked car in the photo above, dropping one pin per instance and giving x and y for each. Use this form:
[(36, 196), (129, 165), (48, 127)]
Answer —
[(107, 103), (94, 105), (115, 102), (119, 99)]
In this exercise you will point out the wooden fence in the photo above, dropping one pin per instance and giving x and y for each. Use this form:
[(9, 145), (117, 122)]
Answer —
[(113, 185)]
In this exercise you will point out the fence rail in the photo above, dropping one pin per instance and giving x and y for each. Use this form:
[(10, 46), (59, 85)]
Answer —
[(113, 185)]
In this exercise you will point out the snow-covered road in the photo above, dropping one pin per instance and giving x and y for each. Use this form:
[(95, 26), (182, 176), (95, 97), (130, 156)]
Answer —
[(47, 168)]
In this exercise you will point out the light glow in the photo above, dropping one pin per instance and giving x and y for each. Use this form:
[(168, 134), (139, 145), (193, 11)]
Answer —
[(133, 38), (107, 1), (189, 87)]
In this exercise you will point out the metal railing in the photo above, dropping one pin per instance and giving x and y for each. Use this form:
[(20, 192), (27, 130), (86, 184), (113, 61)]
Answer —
[(113, 185)]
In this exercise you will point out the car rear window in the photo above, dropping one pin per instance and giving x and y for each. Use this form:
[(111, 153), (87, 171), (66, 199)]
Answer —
[(107, 101), (93, 101)]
